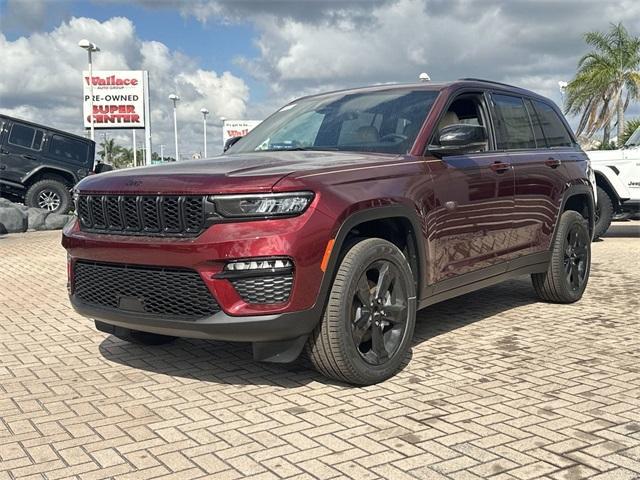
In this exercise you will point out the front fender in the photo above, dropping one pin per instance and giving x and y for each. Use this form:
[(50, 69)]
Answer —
[(606, 177)]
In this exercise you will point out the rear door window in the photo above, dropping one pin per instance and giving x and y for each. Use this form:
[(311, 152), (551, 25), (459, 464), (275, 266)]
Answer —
[(26, 137), (513, 128), (553, 127), (537, 125), (69, 149)]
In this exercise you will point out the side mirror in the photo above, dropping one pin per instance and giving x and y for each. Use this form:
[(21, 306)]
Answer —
[(459, 139), (230, 143)]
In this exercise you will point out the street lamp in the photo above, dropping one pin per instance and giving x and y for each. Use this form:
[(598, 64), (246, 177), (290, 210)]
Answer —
[(204, 112), (90, 47), (563, 88), (174, 98)]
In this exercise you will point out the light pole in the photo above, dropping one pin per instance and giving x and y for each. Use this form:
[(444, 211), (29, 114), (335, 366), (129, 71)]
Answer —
[(90, 47), (222, 120), (174, 98), (205, 112)]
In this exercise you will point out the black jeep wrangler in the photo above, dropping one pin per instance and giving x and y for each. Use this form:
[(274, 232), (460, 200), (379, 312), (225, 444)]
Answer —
[(40, 165)]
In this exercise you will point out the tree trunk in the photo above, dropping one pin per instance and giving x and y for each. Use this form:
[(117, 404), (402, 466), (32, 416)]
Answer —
[(620, 107), (606, 134)]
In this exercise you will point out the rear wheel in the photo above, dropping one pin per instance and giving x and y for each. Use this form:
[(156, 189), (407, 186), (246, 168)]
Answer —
[(49, 194), (369, 319), (568, 271), (604, 213)]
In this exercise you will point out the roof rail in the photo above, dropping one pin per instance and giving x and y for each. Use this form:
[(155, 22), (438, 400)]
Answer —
[(471, 79)]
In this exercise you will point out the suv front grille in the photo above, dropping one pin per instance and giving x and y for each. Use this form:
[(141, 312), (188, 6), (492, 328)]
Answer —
[(165, 292), (142, 215)]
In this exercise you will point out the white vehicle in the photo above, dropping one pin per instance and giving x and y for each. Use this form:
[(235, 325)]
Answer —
[(617, 182)]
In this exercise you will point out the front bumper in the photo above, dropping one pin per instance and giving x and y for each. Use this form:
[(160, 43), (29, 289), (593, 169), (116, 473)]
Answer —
[(220, 326), (302, 239)]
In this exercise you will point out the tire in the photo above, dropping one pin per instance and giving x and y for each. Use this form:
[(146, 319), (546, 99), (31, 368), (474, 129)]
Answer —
[(146, 338), (50, 194), (373, 272), (568, 272), (604, 213)]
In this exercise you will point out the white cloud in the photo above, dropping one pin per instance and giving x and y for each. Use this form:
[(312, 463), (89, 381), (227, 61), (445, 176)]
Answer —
[(40, 80)]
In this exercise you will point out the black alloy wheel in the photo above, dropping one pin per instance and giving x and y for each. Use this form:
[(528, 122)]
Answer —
[(379, 312), (576, 257)]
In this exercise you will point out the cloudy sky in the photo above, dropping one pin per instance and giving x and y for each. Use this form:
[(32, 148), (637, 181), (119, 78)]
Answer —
[(245, 58)]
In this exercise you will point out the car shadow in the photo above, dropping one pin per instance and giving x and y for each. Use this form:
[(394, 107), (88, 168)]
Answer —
[(232, 363), (624, 229)]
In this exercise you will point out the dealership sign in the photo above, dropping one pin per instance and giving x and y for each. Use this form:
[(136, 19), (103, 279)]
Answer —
[(237, 128), (118, 98)]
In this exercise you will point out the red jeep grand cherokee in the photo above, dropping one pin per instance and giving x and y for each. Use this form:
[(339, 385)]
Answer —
[(335, 220)]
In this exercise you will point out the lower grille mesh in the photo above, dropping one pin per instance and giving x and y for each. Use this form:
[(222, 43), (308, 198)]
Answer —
[(268, 289), (165, 292)]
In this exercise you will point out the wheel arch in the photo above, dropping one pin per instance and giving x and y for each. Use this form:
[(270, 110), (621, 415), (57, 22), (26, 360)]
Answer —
[(395, 223), (607, 179), (579, 198), (47, 172)]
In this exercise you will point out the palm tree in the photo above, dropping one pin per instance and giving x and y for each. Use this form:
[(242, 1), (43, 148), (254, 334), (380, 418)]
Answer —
[(607, 79), (630, 126), (109, 150), (124, 158)]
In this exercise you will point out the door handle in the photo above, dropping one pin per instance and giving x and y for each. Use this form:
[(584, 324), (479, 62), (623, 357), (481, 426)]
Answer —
[(28, 157), (552, 162), (500, 167)]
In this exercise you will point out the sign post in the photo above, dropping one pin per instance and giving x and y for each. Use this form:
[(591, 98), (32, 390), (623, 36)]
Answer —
[(147, 123)]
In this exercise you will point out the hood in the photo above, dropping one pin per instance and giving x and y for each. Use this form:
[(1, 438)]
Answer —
[(249, 172)]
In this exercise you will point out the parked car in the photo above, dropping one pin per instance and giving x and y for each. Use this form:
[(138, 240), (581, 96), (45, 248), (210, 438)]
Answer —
[(40, 165), (618, 183), (331, 223)]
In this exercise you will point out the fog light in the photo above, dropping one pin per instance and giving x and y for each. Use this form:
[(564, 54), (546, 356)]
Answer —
[(262, 264)]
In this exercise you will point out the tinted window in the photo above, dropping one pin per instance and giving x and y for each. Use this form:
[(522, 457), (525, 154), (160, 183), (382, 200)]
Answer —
[(553, 127), (69, 149), (24, 136), (385, 121), (513, 129), (537, 126)]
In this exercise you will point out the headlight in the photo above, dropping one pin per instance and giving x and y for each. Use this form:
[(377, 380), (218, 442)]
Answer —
[(267, 205)]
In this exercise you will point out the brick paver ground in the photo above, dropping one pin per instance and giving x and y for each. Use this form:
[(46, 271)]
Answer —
[(500, 386)]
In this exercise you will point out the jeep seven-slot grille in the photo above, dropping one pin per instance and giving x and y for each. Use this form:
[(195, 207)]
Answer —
[(165, 292), (142, 215)]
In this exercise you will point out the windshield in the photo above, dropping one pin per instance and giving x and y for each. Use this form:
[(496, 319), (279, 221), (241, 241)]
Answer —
[(385, 121), (634, 139)]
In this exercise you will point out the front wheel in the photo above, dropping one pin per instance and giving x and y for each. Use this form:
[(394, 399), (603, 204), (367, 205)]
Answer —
[(369, 319), (568, 271), (49, 194)]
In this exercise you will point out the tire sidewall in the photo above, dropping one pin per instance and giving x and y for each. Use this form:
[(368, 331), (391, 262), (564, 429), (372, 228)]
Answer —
[(374, 250)]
